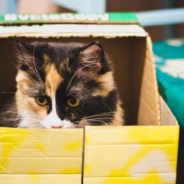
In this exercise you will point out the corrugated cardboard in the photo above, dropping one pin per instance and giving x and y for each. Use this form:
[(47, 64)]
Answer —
[(113, 155), (130, 155), (40, 156)]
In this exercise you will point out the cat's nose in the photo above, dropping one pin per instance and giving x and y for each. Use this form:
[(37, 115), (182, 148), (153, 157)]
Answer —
[(59, 126)]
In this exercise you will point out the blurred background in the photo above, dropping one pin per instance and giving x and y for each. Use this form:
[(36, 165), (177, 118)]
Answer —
[(162, 19)]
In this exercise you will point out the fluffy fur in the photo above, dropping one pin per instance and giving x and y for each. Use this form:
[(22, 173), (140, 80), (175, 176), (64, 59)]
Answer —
[(75, 80)]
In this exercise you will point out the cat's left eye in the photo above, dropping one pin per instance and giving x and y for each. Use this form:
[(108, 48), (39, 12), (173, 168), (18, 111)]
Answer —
[(73, 102), (41, 100)]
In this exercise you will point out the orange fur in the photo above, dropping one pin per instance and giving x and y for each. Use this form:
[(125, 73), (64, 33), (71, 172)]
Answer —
[(53, 80)]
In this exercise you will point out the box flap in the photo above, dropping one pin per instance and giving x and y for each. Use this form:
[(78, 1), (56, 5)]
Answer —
[(167, 117), (72, 30), (105, 18), (139, 154), (42, 154), (149, 106)]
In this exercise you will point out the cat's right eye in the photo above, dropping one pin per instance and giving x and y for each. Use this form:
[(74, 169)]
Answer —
[(41, 100)]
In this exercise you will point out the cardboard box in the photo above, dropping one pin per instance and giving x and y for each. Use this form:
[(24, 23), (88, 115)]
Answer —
[(109, 155)]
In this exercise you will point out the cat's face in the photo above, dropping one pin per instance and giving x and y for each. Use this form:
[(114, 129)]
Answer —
[(65, 86)]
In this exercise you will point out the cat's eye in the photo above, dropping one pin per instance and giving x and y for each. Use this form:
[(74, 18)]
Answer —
[(41, 100), (73, 102)]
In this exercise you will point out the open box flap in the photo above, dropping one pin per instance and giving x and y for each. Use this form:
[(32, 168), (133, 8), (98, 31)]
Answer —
[(149, 110), (167, 117), (72, 30)]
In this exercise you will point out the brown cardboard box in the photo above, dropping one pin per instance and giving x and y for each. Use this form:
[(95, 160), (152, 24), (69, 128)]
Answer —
[(130, 154)]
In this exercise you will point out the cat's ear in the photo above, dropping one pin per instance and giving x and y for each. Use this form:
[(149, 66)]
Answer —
[(25, 52), (91, 58)]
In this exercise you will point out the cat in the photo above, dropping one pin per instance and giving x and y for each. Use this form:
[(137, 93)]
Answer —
[(63, 85)]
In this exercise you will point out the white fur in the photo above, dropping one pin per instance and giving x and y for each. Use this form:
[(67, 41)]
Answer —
[(51, 120)]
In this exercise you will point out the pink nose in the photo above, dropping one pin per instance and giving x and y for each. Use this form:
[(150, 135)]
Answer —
[(59, 126)]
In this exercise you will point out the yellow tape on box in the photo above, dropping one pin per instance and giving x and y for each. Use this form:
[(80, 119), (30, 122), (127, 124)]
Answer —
[(40, 156), (139, 155)]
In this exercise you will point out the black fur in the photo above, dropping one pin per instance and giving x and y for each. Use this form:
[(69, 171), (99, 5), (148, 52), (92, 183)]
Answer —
[(75, 70)]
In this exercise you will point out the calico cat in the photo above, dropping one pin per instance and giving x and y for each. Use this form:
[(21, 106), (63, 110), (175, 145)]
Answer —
[(63, 85)]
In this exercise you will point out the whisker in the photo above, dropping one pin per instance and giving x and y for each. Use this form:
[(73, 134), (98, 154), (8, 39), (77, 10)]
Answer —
[(15, 119), (107, 106), (7, 92), (91, 64), (32, 79), (34, 126), (14, 112), (103, 118), (79, 126), (14, 65), (35, 65), (28, 76), (33, 71), (99, 121), (101, 114), (11, 112), (106, 115)]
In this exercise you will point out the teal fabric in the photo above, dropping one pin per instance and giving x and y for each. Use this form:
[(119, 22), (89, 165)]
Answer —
[(169, 60)]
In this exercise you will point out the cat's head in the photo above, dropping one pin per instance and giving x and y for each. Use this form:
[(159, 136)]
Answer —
[(64, 85)]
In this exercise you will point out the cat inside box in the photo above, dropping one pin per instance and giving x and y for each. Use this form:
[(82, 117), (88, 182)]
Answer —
[(62, 85)]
